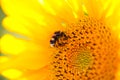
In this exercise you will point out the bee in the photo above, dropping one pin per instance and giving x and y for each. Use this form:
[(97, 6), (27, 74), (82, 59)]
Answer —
[(55, 38)]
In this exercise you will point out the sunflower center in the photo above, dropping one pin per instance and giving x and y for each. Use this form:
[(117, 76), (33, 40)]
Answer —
[(86, 51), (82, 60)]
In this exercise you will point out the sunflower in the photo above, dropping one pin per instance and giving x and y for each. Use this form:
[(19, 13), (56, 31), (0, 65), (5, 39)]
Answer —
[(61, 40)]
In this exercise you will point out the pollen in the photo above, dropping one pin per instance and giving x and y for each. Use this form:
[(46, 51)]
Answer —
[(88, 51)]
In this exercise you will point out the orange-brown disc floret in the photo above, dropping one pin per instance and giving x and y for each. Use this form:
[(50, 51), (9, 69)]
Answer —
[(87, 51)]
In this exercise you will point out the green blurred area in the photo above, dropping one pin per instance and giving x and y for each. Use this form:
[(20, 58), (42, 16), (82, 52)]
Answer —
[(2, 78), (2, 15)]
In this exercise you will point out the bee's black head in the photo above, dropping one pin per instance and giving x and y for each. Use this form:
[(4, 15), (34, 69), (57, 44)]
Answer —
[(56, 38)]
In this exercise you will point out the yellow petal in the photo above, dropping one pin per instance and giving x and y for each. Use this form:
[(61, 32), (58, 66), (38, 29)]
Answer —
[(34, 8), (93, 7), (14, 7), (11, 73), (27, 54), (3, 59), (76, 6), (14, 25), (59, 9), (7, 46), (41, 74)]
